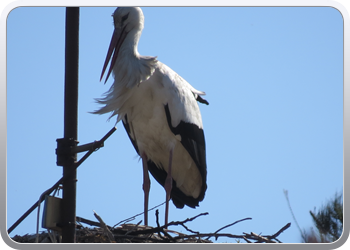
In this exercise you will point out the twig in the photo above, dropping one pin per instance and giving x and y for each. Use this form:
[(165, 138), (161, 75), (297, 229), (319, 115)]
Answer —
[(80, 226), (89, 222), (280, 231), (209, 234), (229, 226), (232, 224), (105, 228), (133, 229), (194, 232), (260, 238), (133, 217), (182, 223), (158, 225), (278, 240), (246, 239), (162, 229), (176, 223), (157, 219)]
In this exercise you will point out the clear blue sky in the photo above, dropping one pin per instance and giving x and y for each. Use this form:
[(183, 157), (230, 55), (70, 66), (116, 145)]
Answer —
[(274, 81)]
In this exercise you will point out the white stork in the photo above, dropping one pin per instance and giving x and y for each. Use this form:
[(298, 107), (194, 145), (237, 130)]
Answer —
[(160, 113)]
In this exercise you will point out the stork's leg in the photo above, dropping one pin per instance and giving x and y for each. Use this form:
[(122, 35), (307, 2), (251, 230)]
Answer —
[(168, 186), (146, 186)]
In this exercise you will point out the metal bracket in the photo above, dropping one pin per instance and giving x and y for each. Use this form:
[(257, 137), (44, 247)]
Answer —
[(63, 150), (66, 148), (86, 147)]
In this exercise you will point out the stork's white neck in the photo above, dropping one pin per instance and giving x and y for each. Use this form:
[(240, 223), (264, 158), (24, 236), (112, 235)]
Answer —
[(131, 68), (129, 46)]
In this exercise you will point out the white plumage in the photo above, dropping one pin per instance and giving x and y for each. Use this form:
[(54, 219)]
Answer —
[(160, 113)]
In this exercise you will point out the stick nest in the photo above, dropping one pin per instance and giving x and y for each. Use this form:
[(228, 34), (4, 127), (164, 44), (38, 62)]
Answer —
[(136, 233)]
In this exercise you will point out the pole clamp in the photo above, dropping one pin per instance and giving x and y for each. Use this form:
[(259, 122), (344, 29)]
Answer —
[(64, 151)]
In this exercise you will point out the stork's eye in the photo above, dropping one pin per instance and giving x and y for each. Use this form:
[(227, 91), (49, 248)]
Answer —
[(125, 17)]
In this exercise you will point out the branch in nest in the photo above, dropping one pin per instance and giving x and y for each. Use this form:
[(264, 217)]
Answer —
[(105, 228), (258, 238), (134, 228), (280, 231), (227, 227), (267, 238), (161, 230), (133, 217), (182, 223), (209, 235), (89, 222)]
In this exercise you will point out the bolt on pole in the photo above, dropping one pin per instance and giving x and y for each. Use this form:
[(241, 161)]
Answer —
[(70, 123)]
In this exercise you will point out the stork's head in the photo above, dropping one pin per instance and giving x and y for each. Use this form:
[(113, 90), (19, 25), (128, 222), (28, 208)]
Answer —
[(128, 17), (127, 20)]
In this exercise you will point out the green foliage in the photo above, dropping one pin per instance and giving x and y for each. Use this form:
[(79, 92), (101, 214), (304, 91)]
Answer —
[(328, 222)]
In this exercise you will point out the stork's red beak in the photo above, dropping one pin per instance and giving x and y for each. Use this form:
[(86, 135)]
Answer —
[(117, 40)]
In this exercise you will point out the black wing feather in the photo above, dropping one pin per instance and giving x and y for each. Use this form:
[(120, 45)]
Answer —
[(192, 138)]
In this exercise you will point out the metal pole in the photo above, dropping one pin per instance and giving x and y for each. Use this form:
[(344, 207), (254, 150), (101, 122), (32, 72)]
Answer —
[(70, 122)]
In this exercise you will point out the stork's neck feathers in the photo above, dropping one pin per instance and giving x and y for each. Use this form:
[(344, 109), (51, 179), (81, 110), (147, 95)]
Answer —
[(129, 46), (131, 68)]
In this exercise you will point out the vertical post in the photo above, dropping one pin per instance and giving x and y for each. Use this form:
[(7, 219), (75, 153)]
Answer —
[(70, 122)]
